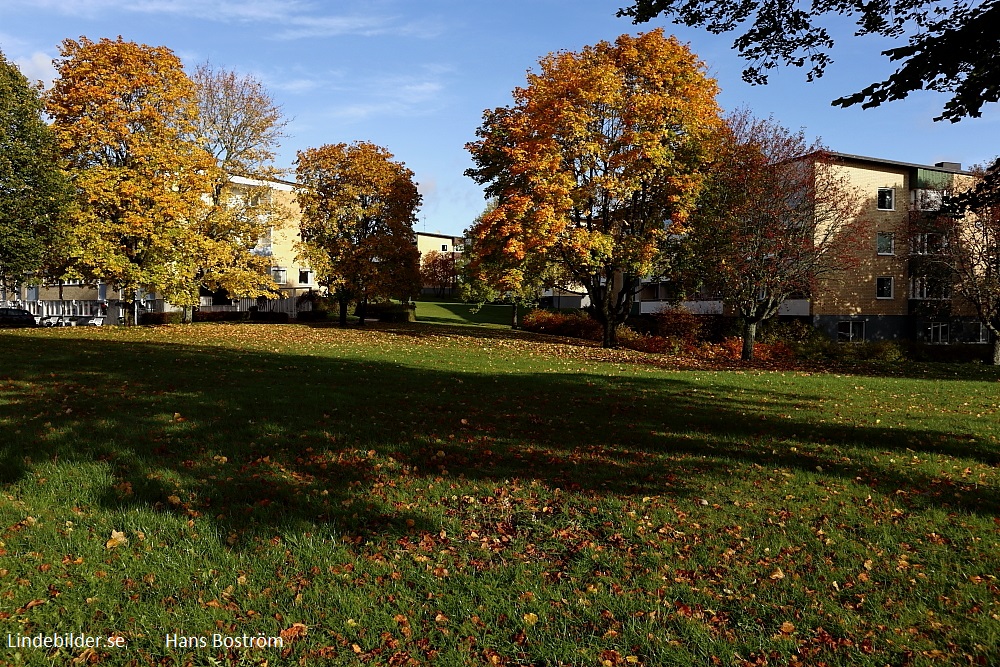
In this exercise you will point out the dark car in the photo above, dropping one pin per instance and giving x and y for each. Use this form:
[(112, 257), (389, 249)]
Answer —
[(16, 317)]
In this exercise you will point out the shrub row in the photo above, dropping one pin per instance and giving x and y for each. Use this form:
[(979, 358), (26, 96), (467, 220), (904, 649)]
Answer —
[(390, 312), (221, 316), (572, 325), (215, 316)]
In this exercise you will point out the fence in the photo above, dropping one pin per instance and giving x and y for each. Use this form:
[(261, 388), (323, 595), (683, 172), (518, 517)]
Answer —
[(53, 307), (113, 311)]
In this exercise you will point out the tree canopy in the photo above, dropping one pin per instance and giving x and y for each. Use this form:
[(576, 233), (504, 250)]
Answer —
[(124, 115), (239, 123), (773, 217), (358, 209), (952, 46), (34, 194), (970, 222), (602, 153)]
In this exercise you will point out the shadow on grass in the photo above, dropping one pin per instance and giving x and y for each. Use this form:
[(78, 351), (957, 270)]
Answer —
[(461, 313), (264, 441)]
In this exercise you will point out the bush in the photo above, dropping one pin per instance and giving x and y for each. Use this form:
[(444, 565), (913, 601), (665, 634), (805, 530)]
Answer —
[(572, 325), (954, 353), (641, 342), (269, 316), (390, 312), (160, 318), (680, 325), (221, 316), (824, 349), (312, 315), (792, 331)]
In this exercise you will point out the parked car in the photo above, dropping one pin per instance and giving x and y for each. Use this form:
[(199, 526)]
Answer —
[(16, 317)]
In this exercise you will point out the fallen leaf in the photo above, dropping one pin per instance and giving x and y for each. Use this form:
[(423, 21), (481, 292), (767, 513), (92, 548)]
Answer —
[(294, 632), (118, 539)]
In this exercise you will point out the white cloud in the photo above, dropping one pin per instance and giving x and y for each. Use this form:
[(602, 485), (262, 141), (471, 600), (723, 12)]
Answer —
[(388, 96), (292, 19), (37, 67), (296, 86)]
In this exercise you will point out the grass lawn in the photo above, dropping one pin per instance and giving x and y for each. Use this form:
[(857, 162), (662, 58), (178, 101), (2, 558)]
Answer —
[(459, 312), (464, 496)]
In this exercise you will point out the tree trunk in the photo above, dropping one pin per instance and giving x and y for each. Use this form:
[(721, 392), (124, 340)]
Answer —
[(749, 337), (514, 321), (610, 339), (996, 350), (343, 301), (362, 307)]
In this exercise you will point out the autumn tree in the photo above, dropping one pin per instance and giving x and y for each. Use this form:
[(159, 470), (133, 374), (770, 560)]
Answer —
[(358, 209), (34, 193), (438, 270), (238, 121), (240, 124), (602, 153), (124, 115), (773, 217), (970, 222)]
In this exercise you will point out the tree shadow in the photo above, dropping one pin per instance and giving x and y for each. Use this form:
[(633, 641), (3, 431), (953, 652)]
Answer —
[(261, 441)]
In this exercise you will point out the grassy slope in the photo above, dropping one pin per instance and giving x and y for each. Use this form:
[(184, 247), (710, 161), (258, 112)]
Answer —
[(477, 497), (458, 312)]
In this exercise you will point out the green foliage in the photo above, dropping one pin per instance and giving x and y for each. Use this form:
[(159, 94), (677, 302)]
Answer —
[(823, 349), (269, 316), (160, 318), (35, 196), (221, 316)]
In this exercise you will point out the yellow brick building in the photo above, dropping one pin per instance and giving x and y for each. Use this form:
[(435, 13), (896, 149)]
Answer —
[(891, 291)]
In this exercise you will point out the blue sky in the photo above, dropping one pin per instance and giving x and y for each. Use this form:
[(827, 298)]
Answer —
[(415, 77)]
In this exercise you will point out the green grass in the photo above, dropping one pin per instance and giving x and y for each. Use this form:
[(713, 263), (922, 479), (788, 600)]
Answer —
[(458, 312), (460, 495)]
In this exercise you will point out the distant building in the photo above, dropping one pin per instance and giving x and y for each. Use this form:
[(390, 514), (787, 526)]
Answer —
[(892, 292)]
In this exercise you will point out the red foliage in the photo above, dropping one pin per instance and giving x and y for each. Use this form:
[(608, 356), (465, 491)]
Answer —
[(572, 325)]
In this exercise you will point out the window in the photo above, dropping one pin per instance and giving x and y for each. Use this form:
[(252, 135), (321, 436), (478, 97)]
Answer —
[(32, 293), (981, 334), (927, 287), (885, 243), (850, 331), (883, 287), (279, 275), (886, 199), (444, 247), (930, 243), (303, 276), (936, 332)]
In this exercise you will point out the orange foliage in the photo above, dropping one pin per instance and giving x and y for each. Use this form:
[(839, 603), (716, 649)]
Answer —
[(358, 209), (123, 114), (601, 154)]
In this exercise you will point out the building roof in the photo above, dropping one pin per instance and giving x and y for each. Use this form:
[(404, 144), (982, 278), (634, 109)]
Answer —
[(946, 167), (438, 235)]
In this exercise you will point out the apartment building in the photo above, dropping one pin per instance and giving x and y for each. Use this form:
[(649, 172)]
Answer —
[(893, 290), (78, 298)]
